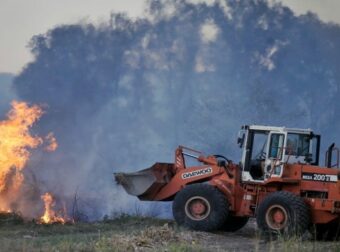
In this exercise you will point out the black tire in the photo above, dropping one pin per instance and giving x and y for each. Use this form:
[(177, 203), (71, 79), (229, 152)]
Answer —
[(234, 223), (283, 213), (200, 207), (326, 232)]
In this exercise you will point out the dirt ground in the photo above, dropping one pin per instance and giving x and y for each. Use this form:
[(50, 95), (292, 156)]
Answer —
[(248, 239)]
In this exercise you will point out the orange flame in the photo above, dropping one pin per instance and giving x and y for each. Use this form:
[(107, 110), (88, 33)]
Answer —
[(50, 216), (15, 143), (53, 145)]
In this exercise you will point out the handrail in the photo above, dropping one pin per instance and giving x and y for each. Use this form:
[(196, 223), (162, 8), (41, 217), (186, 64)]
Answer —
[(329, 153)]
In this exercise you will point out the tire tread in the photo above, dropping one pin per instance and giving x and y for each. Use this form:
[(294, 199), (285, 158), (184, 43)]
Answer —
[(217, 200), (297, 209)]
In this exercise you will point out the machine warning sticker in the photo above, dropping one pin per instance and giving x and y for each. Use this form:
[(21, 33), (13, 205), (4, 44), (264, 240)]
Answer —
[(201, 172), (319, 177)]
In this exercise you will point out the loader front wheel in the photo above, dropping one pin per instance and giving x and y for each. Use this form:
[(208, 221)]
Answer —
[(283, 213), (200, 207)]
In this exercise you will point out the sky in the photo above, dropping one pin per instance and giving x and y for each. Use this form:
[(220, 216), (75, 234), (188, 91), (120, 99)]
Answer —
[(22, 19)]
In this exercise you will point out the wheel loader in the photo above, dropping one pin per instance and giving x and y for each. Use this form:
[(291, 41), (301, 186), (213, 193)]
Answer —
[(279, 181)]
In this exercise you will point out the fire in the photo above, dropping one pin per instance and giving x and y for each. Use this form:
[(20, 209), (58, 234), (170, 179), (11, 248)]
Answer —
[(53, 145), (15, 145), (50, 216)]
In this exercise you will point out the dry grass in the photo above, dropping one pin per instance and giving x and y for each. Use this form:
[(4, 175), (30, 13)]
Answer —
[(128, 233), (122, 234)]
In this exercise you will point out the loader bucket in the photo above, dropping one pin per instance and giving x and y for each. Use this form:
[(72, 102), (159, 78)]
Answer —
[(145, 184)]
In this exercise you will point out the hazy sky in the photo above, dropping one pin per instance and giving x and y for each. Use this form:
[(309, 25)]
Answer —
[(21, 19)]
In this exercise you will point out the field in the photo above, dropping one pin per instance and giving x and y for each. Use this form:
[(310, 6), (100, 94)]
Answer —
[(131, 233)]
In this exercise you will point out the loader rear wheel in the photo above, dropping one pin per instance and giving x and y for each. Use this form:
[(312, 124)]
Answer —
[(234, 223), (200, 207), (283, 213)]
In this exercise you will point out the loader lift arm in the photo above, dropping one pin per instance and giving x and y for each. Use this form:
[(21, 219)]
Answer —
[(163, 180)]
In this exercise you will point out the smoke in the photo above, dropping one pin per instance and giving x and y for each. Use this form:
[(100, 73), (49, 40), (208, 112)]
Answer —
[(123, 94), (6, 93)]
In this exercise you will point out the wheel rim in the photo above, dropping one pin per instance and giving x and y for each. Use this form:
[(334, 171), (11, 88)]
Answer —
[(197, 208), (277, 217)]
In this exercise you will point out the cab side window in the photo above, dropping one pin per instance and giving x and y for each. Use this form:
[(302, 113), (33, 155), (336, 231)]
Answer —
[(276, 146)]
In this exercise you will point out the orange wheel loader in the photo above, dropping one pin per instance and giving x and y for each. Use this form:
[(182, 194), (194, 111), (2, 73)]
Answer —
[(279, 182)]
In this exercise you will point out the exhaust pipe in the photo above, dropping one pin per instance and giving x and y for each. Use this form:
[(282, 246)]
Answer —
[(329, 155)]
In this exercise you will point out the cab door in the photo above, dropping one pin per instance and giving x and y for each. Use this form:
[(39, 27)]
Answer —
[(275, 155)]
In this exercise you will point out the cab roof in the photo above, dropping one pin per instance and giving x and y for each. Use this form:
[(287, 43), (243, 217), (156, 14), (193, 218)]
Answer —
[(278, 129)]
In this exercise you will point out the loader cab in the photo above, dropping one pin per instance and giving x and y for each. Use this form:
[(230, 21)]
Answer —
[(266, 150)]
